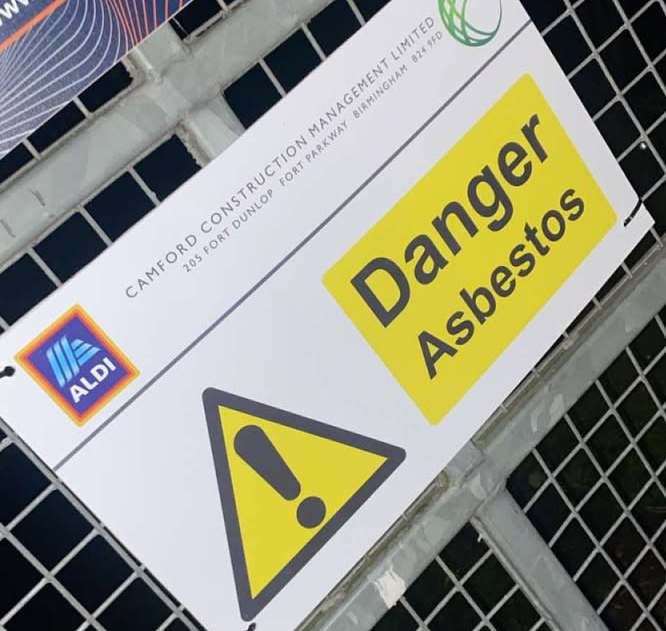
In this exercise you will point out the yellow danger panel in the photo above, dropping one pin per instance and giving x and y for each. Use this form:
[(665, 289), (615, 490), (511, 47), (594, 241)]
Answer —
[(287, 484), (449, 277)]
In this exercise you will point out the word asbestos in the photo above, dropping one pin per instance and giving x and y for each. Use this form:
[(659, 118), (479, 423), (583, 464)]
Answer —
[(426, 255)]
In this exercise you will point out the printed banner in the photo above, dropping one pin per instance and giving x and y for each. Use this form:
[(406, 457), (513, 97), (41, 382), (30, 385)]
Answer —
[(52, 50), (256, 381)]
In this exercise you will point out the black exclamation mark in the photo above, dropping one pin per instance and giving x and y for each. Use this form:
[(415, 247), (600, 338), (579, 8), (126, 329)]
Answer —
[(254, 447)]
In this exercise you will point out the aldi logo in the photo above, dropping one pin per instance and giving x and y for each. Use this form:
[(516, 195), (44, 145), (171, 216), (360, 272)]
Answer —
[(78, 366)]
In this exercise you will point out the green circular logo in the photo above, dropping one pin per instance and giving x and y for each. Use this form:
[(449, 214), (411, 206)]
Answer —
[(466, 23)]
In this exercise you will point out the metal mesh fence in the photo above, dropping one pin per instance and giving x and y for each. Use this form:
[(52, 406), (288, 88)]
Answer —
[(465, 587), (593, 489)]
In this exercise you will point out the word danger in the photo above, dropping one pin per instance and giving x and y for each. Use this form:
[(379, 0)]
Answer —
[(427, 255)]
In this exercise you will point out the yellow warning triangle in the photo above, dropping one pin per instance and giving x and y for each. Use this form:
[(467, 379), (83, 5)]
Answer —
[(287, 485)]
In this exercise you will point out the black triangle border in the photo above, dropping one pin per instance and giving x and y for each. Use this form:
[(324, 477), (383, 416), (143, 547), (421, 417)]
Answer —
[(212, 399)]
